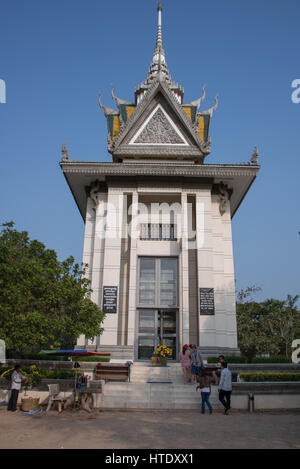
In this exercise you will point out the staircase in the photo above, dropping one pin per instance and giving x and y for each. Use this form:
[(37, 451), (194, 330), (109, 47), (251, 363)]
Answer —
[(155, 388)]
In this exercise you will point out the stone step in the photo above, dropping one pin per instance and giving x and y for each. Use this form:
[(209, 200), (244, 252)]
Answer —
[(154, 396), (144, 373)]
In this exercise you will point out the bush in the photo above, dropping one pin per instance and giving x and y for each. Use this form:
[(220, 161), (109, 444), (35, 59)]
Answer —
[(95, 359), (269, 376), (35, 375), (239, 359), (229, 359), (276, 359), (36, 356), (62, 358)]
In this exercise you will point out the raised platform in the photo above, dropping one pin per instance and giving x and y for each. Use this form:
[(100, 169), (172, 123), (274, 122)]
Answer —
[(154, 388), (163, 388)]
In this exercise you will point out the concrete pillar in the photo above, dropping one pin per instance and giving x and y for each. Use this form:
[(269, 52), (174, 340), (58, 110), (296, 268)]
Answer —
[(133, 269), (207, 335), (184, 323), (229, 280), (112, 261), (88, 249), (218, 264)]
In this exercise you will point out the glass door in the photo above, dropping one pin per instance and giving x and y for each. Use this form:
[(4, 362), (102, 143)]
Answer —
[(155, 328), (157, 305)]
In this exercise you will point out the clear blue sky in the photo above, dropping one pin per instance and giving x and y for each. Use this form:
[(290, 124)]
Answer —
[(56, 55)]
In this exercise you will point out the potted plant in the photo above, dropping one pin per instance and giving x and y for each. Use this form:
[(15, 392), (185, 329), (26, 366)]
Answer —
[(161, 355)]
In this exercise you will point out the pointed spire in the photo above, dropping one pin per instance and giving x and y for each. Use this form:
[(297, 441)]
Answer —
[(158, 68)]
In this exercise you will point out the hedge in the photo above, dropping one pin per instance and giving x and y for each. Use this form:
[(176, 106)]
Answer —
[(95, 359), (37, 374), (269, 376), (239, 359), (63, 358), (37, 356)]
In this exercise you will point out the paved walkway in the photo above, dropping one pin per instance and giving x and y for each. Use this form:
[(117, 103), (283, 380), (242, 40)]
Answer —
[(147, 430)]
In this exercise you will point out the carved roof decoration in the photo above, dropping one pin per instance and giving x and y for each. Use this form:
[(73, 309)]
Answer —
[(188, 127), (158, 129)]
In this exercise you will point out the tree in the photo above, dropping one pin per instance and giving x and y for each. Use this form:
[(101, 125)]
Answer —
[(253, 330), (283, 319), (266, 327), (44, 303)]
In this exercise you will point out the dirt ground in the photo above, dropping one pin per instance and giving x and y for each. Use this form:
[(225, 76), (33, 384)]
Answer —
[(149, 430)]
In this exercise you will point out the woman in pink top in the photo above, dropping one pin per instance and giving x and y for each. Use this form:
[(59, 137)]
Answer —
[(184, 358)]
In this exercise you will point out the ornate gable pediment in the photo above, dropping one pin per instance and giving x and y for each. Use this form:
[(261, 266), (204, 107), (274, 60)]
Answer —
[(159, 127)]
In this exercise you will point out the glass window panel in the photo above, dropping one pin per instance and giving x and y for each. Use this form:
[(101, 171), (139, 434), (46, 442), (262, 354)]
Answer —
[(168, 282), (147, 296), (145, 347), (169, 320), (168, 301), (147, 269), (147, 281), (146, 321)]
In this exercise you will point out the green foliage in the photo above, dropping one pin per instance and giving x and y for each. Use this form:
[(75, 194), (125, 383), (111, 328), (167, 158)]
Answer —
[(269, 376), (42, 357), (266, 327), (61, 358), (95, 359), (44, 303), (228, 359), (35, 375), (241, 359), (283, 320)]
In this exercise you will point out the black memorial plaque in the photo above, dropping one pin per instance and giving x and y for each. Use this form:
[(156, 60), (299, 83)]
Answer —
[(110, 295), (207, 302)]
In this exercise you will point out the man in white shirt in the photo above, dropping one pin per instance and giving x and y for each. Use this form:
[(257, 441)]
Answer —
[(225, 387), (16, 380)]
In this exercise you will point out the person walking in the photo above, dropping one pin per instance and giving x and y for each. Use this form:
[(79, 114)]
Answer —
[(184, 358), (205, 383), (16, 380), (225, 387)]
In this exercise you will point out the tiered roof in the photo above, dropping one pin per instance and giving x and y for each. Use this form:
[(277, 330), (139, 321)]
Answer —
[(121, 119)]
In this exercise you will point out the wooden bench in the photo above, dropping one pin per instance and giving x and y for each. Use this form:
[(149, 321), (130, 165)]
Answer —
[(113, 372)]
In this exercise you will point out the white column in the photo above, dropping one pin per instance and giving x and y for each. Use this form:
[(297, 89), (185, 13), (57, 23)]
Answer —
[(229, 280), (99, 243), (98, 253), (207, 336), (218, 264), (133, 270), (185, 326), (112, 261), (88, 248)]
